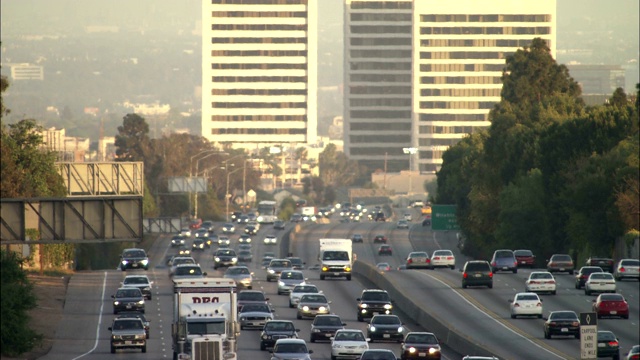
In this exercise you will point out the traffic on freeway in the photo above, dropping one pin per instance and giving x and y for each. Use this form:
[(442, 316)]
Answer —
[(428, 299)]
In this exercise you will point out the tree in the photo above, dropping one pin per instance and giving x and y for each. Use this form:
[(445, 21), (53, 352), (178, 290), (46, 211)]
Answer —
[(27, 170), (336, 169), (619, 98), (16, 298), (132, 141)]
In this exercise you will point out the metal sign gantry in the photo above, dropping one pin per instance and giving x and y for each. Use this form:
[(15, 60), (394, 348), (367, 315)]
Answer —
[(102, 178), (71, 220)]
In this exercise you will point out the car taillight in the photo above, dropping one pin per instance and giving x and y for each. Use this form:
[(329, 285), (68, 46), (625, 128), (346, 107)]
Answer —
[(428, 261), (464, 275), (493, 263), (515, 263), (490, 274), (621, 269), (410, 261), (449, 257), (613, 343), (539, 304), (533, 282), (516, 305), (436, 258), (552, 263)]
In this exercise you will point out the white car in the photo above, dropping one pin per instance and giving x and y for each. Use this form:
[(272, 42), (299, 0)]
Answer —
[(627, 268), (540, 281), (408, 217), (270, 240), (443, 258), (600, 283), (402, 224), (348, 343), (526, 304), (299, 290)]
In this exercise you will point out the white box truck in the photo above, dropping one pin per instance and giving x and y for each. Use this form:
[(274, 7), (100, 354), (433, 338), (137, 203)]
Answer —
[(335, 258), (204, 319)]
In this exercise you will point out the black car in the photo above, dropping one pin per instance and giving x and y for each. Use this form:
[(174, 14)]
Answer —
[(128, 299), (325, 326), (235, 216), (279, 225), (477, 273), (277, 329), (563, 322), (136, 315), (385, 328), (134, 259), (373, 302), (357, 238), (296, 263), (250, 230), (198, 244), (178, 240), (224, 257), (607, 264), (608, 345), (583, 275), (208, 225), (380, 217), (420, 345)]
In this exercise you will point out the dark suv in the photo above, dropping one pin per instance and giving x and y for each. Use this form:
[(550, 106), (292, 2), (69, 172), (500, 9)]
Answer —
[(605, 263), (277, 329), (134, 259), (325, 326), (373, 302), (477, 273)]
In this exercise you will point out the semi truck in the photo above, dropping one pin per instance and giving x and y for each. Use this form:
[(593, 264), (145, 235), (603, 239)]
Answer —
[(205, 325), (335, 258)]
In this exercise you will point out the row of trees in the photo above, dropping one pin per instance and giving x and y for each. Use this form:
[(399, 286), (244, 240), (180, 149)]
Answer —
[(181, 155), (550, 174)]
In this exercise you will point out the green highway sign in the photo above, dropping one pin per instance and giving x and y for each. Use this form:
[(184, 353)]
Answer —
[(443, 217)]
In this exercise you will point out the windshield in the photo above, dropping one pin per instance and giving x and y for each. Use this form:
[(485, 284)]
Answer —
[(563, 316), (386, 320), (213, 327), (292, 276), (541, 276), (375, 296), (255, 308), (279, 326), (136, 280), (421, 338), (128, 293), (305, 289), (188, 270), (127, 325), (336, 255), (349, 336), (290, 348), (238, 271), (313, 299), (252, 296), (134, 254)]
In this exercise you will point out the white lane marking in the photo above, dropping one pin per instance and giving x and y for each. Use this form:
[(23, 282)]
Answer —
[(104, 287)]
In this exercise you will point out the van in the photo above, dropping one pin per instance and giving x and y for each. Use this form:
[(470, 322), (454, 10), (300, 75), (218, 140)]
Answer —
[(504, 260)]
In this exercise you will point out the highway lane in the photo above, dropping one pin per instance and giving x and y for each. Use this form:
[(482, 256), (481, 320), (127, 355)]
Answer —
[(77, 332)]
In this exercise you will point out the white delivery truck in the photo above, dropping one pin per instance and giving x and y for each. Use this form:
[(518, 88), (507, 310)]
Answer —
[(335, 258), (204, 319)]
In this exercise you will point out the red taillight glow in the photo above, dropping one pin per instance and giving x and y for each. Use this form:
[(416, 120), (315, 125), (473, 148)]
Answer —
[(428, 261), (449, 257), (410, 261), (516, 305), (533, 282), (493, 263), (613, 343), (464, 275), (621, 269), (539, 304), (490, 274), (436, 258)]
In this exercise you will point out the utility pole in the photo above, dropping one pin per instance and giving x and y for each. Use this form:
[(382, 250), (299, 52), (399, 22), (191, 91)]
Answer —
[(384, 180)]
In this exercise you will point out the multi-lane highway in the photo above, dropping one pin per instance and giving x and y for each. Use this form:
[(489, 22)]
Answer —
[(480, 314)]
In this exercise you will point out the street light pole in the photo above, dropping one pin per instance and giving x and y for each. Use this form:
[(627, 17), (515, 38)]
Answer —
[(195, 211), (214, 151), (227, 195), (411, 151)]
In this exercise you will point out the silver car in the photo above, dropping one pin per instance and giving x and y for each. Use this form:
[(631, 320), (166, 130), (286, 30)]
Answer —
[(276, 266), (254, 316), (311, 305), (288, 280), (241, 275), (299, 290)]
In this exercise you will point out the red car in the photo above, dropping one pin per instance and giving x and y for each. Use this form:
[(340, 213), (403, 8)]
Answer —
[(195, 224), (525, 258), (385, 250), (611, 305), (380, 239)]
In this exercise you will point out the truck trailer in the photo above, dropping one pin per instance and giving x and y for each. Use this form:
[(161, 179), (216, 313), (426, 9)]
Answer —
[(205, 323)]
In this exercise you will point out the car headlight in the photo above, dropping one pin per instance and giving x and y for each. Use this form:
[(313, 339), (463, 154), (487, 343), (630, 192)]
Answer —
[(305, 308), (364, 306), (372, 328), (322, 308), (347, 268), (433, 350), (388, 306), (271, 271), (363, 347), (400, 329), (324, 268), (336, 346), (116, 302), (141, 302), (217, 259), (235, 259), (242, 318), (280, 283), (315, 330), (141, 336), (147, 288), (265, 337), (412, 350), (124, 262)]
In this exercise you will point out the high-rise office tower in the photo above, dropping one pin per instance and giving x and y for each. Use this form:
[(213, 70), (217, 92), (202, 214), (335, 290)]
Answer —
[(458, 51), (259, 72), (377, 91)]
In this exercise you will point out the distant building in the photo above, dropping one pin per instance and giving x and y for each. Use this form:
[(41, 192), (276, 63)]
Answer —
[(455, 55), (26, 72), (598, 79), (71, 149), (259, 72)]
